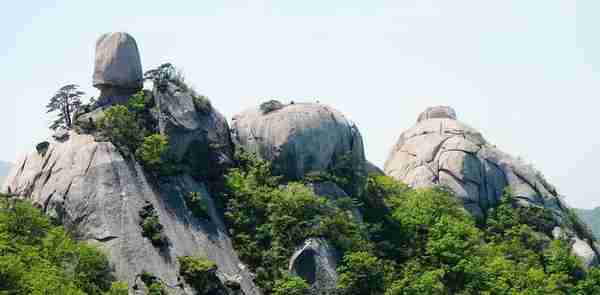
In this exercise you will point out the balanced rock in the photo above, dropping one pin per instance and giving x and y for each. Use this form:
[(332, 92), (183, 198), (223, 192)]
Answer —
[(96, 192), (299, 138), (118, 68), (442, 151)]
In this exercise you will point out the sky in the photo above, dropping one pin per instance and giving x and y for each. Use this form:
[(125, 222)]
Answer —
[(524, 73)]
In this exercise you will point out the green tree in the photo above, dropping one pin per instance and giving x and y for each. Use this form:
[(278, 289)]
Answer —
[(291, 285), (65, 102), (37, 257), (361, 273)]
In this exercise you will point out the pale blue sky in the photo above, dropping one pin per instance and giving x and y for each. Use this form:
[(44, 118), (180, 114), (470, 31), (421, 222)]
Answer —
[(525, 73)]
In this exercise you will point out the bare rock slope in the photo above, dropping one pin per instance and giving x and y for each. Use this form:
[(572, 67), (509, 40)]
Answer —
[(440, 150), (94, 191)]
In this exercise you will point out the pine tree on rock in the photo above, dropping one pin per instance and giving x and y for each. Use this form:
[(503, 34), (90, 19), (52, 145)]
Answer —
[(66, 101)]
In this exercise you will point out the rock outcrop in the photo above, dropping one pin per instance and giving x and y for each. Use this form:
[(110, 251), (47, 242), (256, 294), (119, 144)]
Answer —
[(98, 194), (118, 68), (440, 150), (316, 262), (98, 191), (194, 127), (298, 138)]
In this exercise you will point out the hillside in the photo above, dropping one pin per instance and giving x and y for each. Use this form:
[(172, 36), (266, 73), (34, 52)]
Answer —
[(592, 218), (280, 201), (4, 169)]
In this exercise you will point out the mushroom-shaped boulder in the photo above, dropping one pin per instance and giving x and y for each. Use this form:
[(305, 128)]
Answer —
[(118, 67), (299, 138)]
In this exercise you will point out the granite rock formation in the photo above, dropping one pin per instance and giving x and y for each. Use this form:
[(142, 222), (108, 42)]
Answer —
[(298, 138), (96, 192), (316, 262), (118, 68), (440, 150)]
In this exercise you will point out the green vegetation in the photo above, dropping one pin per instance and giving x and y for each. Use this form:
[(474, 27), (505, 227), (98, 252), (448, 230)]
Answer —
[(152, 151), (291, 285), (151, 227), (154, 285), (411, 241), (269, 220), (38, 257), (122, 128), (362, 273), (198, 272), (130, 128), (197, 205), (65, 102)]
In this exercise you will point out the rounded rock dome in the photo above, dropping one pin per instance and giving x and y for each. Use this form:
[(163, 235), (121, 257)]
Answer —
[(298, 138)]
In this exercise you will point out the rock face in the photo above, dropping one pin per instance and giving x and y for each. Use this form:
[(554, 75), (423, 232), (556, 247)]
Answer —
[(193, 125), (97, 193), (118, 68), (316, 262), (298, 138), (440, 150)]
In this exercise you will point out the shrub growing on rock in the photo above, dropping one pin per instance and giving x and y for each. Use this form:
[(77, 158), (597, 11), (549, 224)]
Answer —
[(152, 151), (197, 205), (151, 227), (198, 272), (121, 128), (154, 285)]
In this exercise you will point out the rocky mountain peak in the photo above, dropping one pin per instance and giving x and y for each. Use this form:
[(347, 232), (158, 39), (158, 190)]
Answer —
[(437, 112), (441, 151)]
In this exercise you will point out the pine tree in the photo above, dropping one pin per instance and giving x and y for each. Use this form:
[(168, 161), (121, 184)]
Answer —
[(66, 101)]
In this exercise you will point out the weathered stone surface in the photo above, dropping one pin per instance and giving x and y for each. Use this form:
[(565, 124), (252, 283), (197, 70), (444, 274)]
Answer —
[(118, 68), (191, 130), (333, 192), (299, 138), (585, 252), (437, 112), (316, 262), (440, 150), (98, 194), (61, 134)]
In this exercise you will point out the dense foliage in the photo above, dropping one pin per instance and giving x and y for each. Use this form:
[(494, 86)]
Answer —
[(411, 241), (269, 219), (152, 151), (291, 285), (132, 129), (38, 257)]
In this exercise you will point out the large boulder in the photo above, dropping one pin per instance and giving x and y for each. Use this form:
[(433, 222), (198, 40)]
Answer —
[(118, 68), (98, 194), (298, 138), (197, 131), (440, 150), (316, 262)]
